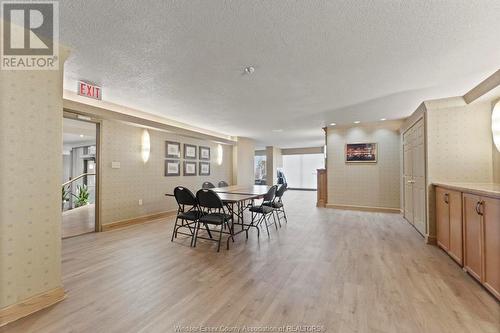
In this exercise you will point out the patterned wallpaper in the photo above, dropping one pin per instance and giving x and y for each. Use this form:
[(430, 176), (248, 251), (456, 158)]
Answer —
[(30, 183), (459, 145), (122, 188), (371, 185)]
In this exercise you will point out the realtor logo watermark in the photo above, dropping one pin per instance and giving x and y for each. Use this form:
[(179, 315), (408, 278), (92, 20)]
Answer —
[(30, 35)]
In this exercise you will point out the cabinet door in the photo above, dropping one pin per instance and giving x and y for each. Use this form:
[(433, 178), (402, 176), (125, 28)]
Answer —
[(473, 231), (491, 224), (456, 226), (442, 218)]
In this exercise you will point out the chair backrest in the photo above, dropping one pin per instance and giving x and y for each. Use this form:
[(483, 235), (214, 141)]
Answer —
[(207, 185), (269, 196), (209, 199), (281, 190), (223, 184), (184, 196)]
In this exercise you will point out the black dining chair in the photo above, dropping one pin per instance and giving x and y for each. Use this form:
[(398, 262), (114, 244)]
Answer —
[(188, 212), (263, 211), (214, 214), (222, 184), (206, 185), (277, 203)]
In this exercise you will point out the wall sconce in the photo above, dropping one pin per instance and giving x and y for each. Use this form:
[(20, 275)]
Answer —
[(145, 145), (220, 154), (495, 125)]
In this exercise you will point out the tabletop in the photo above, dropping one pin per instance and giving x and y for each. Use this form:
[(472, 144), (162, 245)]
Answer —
[(244, 189), (230, 197)]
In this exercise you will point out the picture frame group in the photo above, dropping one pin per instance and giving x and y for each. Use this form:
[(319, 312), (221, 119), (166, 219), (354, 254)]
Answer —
[(190, 154)]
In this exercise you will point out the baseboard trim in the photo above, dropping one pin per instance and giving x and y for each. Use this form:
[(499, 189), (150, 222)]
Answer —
[(137, 220), (365, 208), (431, 240), (31, 305)]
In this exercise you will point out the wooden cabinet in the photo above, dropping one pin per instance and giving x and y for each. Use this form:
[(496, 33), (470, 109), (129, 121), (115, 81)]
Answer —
[(482, 240), (449, 222), (322, 191), (490, 211), (468, 229), (472, 239)]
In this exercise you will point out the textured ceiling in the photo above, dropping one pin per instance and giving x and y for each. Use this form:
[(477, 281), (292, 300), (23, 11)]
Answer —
[(315, 62)]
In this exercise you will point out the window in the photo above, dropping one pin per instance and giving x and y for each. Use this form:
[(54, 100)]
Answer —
[(300, 170)]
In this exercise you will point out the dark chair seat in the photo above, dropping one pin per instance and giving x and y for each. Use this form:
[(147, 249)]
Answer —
[(215, 218), (261, 209), (192, 215), (275, 204)]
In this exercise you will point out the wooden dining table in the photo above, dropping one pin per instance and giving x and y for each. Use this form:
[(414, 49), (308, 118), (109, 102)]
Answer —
[(236, 199)]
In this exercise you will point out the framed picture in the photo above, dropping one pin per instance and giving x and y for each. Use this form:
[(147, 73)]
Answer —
[(205, 153), (189, 151), (172, 168), (361, 153), (172, 149), (189, 168), (204, 169)]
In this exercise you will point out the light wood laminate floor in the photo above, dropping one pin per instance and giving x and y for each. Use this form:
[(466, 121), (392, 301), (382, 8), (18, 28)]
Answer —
[(348, 271), (78, 221)]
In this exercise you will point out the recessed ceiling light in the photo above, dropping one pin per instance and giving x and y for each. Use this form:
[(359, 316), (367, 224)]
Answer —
[(277, 130), (81, 135), (333, 124), (357, 122), (383, 119)]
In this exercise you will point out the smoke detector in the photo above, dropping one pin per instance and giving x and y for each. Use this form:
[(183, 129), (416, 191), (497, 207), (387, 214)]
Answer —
[(249, 70)]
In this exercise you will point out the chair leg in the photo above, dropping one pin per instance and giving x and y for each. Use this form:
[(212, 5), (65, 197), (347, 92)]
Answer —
[(278, 217), (174, 232), (195, 236), (274, 219), (266, 223), (208, 230), (220, 237), (284, 214)]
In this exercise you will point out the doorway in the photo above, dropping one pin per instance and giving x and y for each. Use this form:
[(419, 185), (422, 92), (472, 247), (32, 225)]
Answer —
[(79, 191)]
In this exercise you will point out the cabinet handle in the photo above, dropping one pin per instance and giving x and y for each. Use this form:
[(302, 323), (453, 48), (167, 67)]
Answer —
[(446, 198), (478, 211), (481, 208)]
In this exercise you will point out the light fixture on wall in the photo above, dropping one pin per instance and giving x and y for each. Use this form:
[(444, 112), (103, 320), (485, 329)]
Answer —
[(220, 154), (145, 145), (495, 125)]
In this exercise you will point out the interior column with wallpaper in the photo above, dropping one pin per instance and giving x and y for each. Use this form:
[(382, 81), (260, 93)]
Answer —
[(31, 114)]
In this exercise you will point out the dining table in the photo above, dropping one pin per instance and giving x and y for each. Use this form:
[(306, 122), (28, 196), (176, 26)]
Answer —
[(237, 198)]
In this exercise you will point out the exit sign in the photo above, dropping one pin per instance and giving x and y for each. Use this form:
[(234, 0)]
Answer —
[(89, 90)]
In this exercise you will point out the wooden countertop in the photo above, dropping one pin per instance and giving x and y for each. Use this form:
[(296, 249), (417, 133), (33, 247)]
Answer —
[(486, 189)]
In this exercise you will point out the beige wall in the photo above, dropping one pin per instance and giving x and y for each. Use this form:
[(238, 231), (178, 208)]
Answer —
[(459, 145), (364, 184), (121, 189), (30, 183), (243, 162)]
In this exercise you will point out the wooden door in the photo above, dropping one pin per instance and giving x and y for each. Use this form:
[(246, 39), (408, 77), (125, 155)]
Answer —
[(418, 181), (473, 231), (442, 218), (408, 174), (490, 209), (456, 226)]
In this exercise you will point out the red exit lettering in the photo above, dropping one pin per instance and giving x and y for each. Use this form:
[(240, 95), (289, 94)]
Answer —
[(89, 90)]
